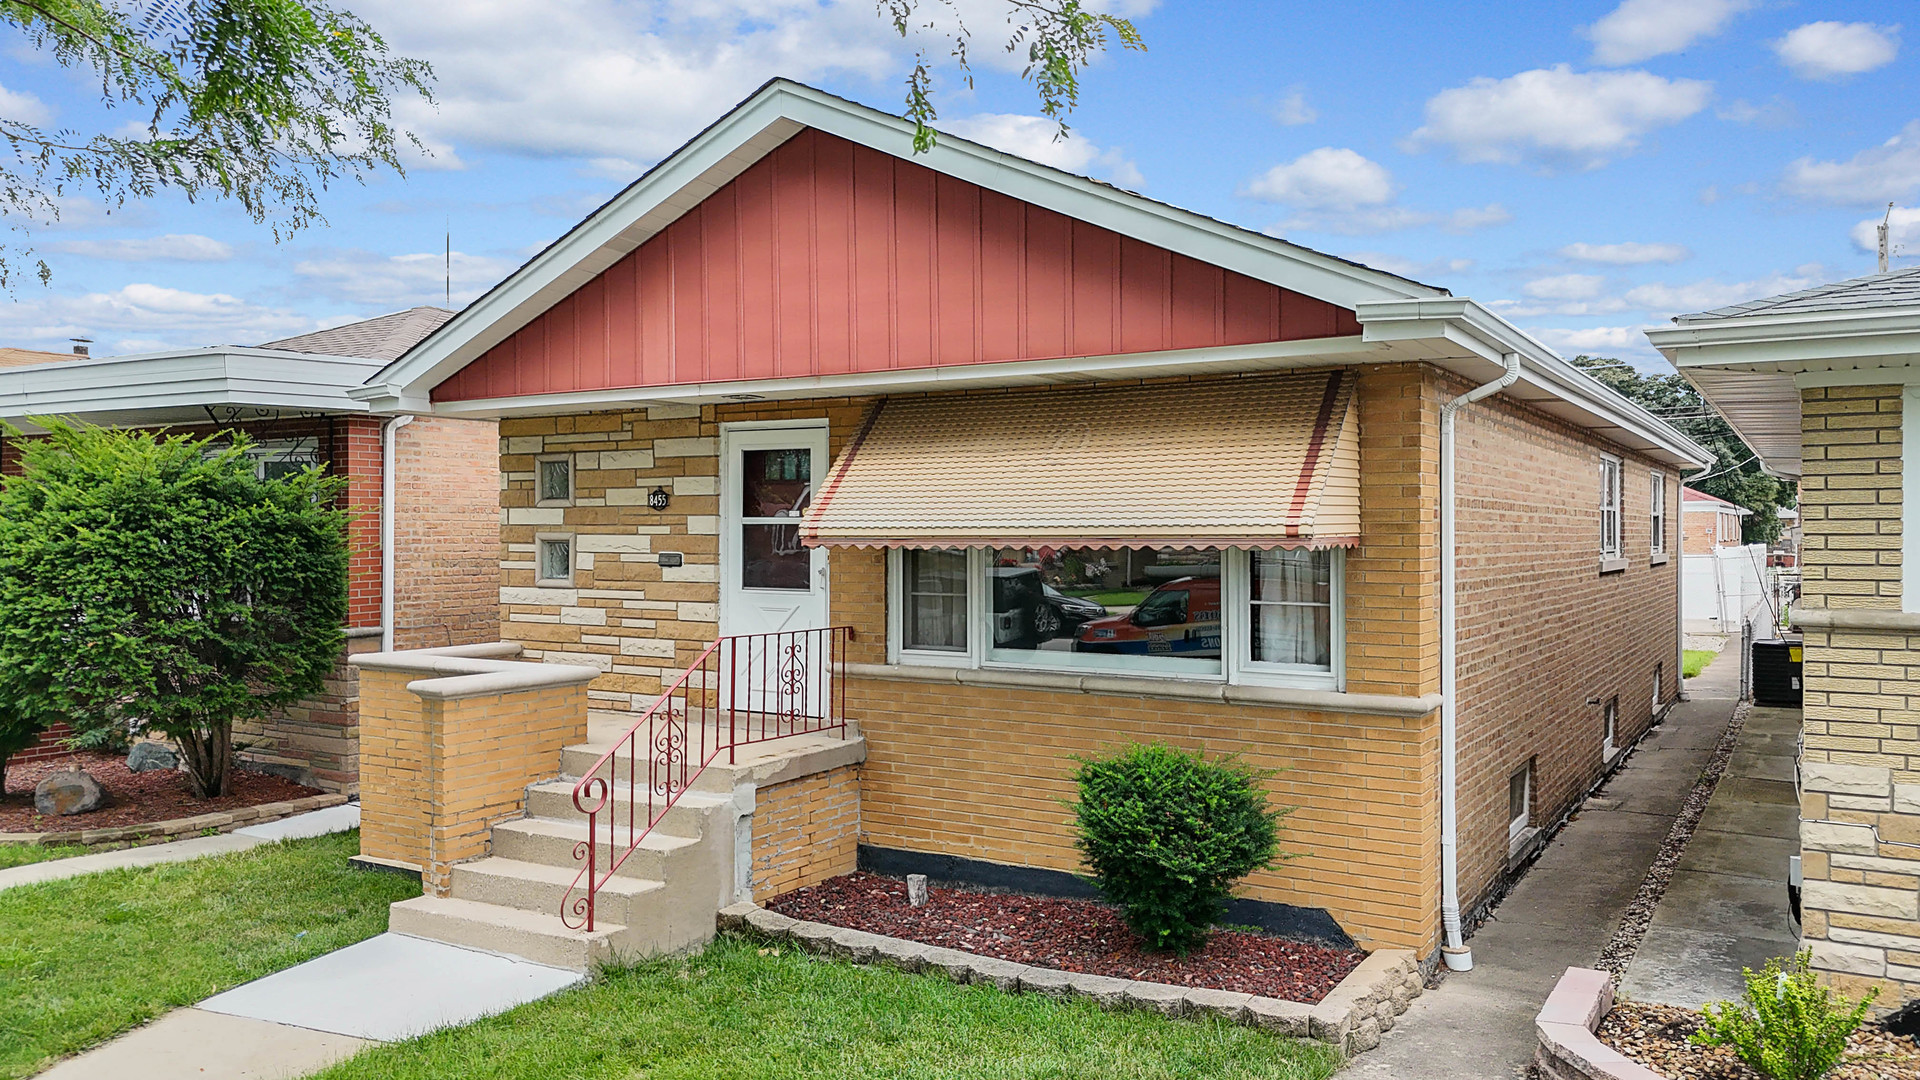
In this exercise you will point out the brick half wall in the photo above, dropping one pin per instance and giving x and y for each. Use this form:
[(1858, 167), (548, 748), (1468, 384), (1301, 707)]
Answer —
[(805, 831)]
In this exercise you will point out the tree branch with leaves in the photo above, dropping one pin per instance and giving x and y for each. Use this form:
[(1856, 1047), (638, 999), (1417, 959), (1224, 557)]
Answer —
[(1060, 38), (264, 103)]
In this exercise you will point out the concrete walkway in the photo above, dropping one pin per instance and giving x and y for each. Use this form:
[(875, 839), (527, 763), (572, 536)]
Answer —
[(1479, 1024), (298, 827), (1726, 907)]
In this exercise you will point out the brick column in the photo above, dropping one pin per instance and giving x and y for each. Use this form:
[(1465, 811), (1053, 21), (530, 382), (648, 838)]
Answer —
[(1860, 809), (449, 741), (356, 455)]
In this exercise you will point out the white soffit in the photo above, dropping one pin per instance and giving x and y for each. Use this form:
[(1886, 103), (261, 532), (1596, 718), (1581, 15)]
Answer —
[(179, 387)]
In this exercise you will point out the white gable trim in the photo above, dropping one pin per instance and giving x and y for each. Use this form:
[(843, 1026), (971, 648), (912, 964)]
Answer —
[(774, 115)]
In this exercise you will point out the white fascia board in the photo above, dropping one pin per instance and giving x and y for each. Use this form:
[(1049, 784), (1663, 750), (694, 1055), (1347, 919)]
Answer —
[(252, 378), (1224, 359), (1462, 323), (774, 115), (1817, 341)]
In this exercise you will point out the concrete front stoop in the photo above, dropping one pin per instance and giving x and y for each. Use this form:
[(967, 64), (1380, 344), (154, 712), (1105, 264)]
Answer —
[(665, 896)]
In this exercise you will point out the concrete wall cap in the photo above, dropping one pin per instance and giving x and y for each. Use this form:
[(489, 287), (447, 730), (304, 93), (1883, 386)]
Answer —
[(1174, 689), (463, 671), (1565, 1029), (1817, 618)]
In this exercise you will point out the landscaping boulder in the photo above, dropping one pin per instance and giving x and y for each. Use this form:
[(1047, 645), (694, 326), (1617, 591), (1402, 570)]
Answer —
[(148, 756), (70, 791)]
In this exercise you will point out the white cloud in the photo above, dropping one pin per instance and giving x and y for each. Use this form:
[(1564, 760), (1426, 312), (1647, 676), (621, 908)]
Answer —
[(1409, 268), (1565, 287), (22, 107), (1628, 253), (1330, 178), (1663, 300), (1033, 137), (178, 247), (1832, 50), (1293, 110), (607, 78), (1641, 29), (145, 316), (397, 281), (1336, 190), (1776, 113), (1878, 174), (1556, 116), (1627, 343), (1903, 231)]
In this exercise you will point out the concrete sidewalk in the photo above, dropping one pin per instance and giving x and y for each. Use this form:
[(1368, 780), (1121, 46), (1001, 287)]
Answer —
[(1479, 1024), (298, 827), (1726, 907)]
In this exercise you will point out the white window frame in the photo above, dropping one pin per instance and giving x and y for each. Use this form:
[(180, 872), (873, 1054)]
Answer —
[(1517, 826), (540, 540), (1612, 549), (1657, 514), (1236, 571), (539, 498), (1659, 676), (1609, 728)]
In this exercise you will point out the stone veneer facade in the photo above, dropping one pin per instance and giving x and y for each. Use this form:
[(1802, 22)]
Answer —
[(979, 771), (1860, 774)]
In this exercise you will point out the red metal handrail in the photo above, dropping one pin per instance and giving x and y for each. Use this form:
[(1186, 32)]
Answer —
[(740, 690)]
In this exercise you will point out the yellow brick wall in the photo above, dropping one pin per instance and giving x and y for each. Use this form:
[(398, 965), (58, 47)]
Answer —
[(437, 775), (805, 831), (1850, 496), (985, 773)]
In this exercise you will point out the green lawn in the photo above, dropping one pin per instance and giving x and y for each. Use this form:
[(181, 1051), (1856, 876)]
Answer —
[(12, 855), (740, 1011), (1694, 661), (86, 958)]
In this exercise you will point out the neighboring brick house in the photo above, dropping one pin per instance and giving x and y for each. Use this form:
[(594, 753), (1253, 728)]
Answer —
[(1709, 522), (290, 397), (1822, 385), (1079, 469)]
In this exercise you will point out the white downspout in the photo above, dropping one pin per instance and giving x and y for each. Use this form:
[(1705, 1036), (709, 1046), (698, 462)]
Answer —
[(1454, 949), (386, 528)]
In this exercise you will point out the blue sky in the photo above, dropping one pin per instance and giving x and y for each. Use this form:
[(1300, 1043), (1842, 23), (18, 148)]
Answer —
[(1585, 168)]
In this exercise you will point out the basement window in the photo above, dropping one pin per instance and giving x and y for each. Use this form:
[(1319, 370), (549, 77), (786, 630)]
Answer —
[(553, 554), (553, 480), (1611, 721), (1519, 799)]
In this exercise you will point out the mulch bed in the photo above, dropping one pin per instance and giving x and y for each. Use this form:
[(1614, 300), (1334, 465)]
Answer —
[(132, 798), (1656, 1036), (1071, 935)]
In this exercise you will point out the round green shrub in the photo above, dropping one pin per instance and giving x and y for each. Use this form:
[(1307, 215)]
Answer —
[(1165, 834)]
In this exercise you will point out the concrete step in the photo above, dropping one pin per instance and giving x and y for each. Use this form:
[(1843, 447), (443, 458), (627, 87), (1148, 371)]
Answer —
[(535, 936), (760, 763), (542, 889), (544, 840), (687, 817)]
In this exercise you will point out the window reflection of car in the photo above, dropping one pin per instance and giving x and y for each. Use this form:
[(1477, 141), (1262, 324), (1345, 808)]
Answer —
[(1027, 612), (1179, 618)]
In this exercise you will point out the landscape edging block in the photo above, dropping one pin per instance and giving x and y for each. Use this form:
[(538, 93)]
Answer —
[(1351, 1016), (150, 832)]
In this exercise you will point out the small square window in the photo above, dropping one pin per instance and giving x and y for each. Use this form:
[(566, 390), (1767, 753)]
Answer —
[(553, 480), (554, 560), (1519, 798)]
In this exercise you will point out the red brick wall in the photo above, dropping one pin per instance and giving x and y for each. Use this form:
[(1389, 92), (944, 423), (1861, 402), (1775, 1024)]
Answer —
[(1541, 629), (446, 537), (356, 455)]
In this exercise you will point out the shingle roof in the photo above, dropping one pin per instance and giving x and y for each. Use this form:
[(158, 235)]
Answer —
[(1896, 288), (384, 337), (25, 357)]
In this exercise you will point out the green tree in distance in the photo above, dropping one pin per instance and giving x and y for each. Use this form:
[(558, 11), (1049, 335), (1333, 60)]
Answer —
[(1735, 475)]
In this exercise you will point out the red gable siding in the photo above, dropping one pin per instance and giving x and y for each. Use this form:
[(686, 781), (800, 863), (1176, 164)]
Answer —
[(827, 257)]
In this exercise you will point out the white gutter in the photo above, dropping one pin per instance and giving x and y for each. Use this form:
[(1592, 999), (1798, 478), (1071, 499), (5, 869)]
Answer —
[(1454, 949), (386, 528)]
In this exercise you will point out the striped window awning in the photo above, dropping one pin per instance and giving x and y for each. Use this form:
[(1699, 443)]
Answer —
[(1259, 462)]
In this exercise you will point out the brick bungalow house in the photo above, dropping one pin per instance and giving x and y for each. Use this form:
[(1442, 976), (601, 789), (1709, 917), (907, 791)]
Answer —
[(290, 396), (1077, 469), (1709, 522), (1824, 385)]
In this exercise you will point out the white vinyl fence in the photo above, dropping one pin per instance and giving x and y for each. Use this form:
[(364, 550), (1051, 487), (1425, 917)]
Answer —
[(1720, 591)]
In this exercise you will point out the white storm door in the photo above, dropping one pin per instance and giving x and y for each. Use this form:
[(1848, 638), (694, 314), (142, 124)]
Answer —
[(770, 583)]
